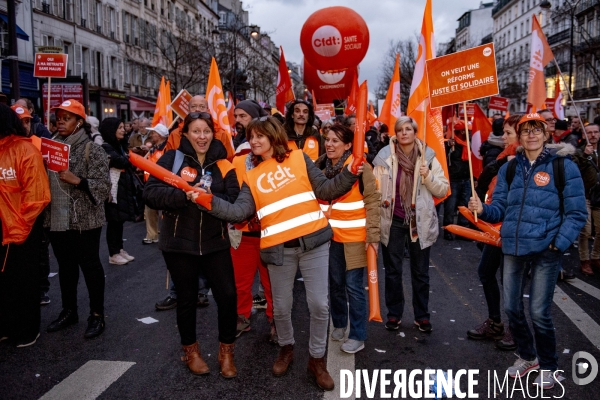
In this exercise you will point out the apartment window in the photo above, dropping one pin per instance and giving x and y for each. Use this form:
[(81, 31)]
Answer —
[(85, 57), (522, 31), (522, 6), (98, 17), (527, 25), (113, 24)]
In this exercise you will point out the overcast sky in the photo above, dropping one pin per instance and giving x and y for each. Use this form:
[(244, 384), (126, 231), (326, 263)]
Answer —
[(387, 20)]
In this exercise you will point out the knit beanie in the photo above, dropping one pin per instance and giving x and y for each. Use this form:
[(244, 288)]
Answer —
[(498, 127), (252, 108)]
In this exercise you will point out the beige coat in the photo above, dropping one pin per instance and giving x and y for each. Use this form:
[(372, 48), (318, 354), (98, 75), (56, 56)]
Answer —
[(436, 185)]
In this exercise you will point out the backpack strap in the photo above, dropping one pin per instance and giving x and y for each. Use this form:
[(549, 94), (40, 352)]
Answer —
[(558, 168), (178, 161), (510, 171)]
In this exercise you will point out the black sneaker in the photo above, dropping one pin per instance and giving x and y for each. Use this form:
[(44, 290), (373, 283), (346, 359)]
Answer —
[(448, 235), (166, 304), (44, 298), (392, 324), (487, 330), (259, 302), (28, 342), (424, 325), (66, 318), (95, 326), (203, 300), (565, 276)]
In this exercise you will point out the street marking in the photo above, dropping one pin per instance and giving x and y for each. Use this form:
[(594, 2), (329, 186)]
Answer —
[(585, 287), (89, 381), (336, 361), (580, 318)]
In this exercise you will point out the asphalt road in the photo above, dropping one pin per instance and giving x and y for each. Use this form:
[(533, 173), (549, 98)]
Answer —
[(134, 360)]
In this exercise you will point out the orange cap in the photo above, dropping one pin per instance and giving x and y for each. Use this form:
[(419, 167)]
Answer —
[(532, 116), (21, 112), (72, 106)]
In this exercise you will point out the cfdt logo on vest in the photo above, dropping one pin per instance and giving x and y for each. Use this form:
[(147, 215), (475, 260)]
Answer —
[(275, 180), (327, 41), (8, 174)]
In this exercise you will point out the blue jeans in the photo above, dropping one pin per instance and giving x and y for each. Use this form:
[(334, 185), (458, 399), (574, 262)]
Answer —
[(203, 286), (393, 255), (461, 192), (544, 272), (491, 260), (346, 290)]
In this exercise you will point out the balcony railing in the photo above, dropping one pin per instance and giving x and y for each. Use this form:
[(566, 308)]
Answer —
[(559, 37), (99, 29), (83, 23), (46, 8), (499, 6), (586, 5)]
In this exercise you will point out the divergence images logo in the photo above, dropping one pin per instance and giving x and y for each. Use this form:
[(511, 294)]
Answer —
[(274, 180), (327, 41), (589, 365)]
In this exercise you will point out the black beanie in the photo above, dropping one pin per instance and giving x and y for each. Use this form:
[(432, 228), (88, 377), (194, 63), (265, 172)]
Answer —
[(498, 127), (561, 124), (252, 108)]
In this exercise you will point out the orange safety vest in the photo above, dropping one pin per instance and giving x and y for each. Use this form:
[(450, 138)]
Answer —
[(154, 156), (37, 142), (285, 202), (239, 164), (347, 215), (311, 147)]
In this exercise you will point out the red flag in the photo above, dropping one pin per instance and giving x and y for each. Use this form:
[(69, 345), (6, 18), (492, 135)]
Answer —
[(160, 110), (353, 98), (541, 55), (284, 91), (314, 99), (481, 132), (428, 119), (390, 111)]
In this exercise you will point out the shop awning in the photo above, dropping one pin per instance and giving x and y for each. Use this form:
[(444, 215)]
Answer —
[(138, 104), (20, 32)]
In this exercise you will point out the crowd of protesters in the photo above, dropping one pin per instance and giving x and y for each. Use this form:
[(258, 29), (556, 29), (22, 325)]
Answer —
[(314, 214)]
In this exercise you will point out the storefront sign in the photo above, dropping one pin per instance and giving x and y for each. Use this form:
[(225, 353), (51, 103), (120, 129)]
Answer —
[(463, 76), (56, 154)]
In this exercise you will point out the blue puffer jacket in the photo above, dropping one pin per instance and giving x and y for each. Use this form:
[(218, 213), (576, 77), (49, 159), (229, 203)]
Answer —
[(531, 211)]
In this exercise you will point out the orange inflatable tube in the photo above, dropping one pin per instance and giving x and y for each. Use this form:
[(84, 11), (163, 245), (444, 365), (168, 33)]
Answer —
[(358, 153), (374, 309), (493, 230), (204, 199), (472, 234)]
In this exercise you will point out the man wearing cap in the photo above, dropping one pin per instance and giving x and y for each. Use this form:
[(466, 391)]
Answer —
[(137, 140), (245, 111), (460, 178), (299, 120), (158, 136), (539, 224), (37, 128), (562, 134)]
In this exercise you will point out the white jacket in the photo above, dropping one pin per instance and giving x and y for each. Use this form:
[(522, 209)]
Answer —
[(436, 185)]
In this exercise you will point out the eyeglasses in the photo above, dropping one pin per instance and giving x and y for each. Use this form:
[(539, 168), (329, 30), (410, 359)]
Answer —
[(535, 131), (196, 115), (551, 120)]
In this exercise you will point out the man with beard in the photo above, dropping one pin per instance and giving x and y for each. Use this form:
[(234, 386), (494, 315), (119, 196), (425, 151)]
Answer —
[(299, 120)]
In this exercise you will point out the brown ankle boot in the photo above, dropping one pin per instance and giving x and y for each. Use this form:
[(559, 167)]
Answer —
[(318, 370), (228, 369), (284, 360), (586, 268), (194, 360)]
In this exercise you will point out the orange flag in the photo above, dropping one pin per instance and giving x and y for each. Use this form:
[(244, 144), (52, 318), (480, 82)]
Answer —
[(284, 92), (371, 116), (541, 55), (168, 101), (230, 110), (482, 128), (390, 111), (429, 120), (160, 110), (353, 98), (559, 110), (218, 109)]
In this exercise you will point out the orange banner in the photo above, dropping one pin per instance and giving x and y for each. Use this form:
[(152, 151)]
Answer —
[(390, 111), (463, 76), (541, 55)]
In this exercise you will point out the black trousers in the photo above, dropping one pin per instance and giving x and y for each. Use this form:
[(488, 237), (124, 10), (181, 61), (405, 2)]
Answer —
[(218, 269), (74, 250), (114, 237), (45, 260), (20, 287)]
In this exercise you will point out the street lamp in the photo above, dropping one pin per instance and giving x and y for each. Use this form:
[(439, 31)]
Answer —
[(254, 32), (546, 5)]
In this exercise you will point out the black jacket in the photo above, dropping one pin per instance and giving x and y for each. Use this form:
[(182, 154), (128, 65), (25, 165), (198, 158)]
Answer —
[(300, 140), (489, 152), (126, 207), (458, 169), (184, 228)]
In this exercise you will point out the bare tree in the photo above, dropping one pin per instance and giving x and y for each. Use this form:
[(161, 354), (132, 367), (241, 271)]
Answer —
[(407, 48)]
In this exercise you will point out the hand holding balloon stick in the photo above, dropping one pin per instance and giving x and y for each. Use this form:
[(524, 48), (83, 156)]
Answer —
[(204, 199)]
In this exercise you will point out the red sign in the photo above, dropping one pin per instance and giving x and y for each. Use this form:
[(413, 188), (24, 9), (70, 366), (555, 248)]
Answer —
[(325, 111), (181, 104), (56, 154), (498, 103), (550, 101), (470, 110), (463, 76), (50, 65), (60, 93)]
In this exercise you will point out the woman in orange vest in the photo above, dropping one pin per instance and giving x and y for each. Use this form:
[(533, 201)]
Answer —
[(410, 176), (24, 192), (282, 189), (354, 218)]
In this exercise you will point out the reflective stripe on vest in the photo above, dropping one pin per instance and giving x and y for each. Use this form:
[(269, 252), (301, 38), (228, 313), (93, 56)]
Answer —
[(347, 215), (287, 207), (310, 148)]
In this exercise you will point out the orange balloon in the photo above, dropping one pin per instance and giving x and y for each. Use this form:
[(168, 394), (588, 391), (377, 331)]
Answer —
[(334, 38), (474, 235), (374, 309)]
